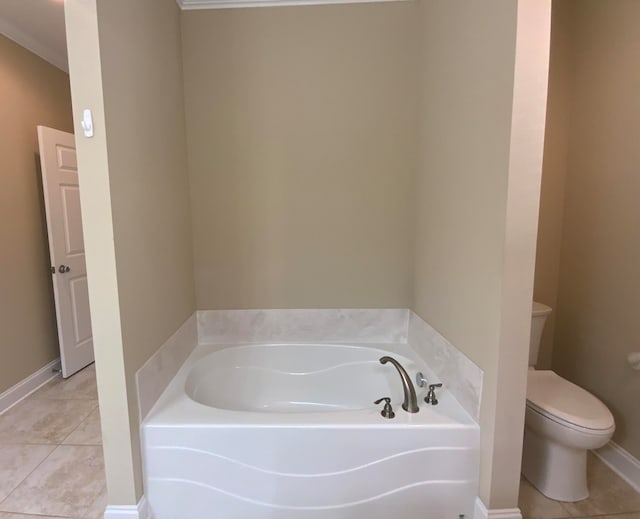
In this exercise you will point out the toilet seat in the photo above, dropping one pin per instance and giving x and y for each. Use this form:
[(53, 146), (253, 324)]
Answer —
[(566, 403)]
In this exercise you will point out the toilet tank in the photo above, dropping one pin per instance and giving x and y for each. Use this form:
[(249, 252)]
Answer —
[(538, 317)]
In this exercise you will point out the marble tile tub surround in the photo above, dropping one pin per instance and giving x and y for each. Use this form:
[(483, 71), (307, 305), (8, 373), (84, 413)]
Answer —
[(454, 369), (303, 325), (154, 376)]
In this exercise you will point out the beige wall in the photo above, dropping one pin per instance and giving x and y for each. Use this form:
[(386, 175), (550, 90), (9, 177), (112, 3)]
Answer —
[(477, 198), (135, 203), (146, 142), (302, 128), (599, 292), (33, 92), (554, 173)]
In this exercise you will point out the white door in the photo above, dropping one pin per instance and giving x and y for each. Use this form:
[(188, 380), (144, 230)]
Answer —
[(66, 246)]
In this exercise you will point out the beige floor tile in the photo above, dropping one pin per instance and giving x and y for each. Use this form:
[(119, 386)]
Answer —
[(534, 505), (96, 510), (17, 462), (66, 484), (609, 494), (41, 420), (88, 432), (22, 516), (82, 385)]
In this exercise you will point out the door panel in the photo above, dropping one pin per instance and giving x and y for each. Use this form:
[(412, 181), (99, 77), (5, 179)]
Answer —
[(82, 318), (67, 159), (74, 239)]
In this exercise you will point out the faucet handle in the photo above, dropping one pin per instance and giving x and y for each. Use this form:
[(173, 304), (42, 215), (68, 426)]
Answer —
[(420, 380), (431, 394), (387, 412)]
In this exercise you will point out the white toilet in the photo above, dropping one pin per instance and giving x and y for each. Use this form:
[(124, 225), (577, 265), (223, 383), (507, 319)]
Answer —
[(562, 422)]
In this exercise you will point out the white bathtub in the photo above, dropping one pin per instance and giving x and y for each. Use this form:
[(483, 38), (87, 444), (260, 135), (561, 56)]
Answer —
[(291, 432)]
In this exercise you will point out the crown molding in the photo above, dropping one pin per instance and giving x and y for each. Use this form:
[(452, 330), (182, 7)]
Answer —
[(189, 5), (33, 45)]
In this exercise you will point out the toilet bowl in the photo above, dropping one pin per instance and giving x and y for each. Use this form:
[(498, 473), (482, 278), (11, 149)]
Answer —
[(562, 422)]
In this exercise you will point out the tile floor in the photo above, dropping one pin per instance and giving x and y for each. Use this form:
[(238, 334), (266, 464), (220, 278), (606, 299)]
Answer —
[(611, 498), (51, 462)]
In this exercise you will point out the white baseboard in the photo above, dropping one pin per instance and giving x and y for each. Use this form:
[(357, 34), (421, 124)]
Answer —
[(139, 511), (621, 462), (25, 387), (481, 512)]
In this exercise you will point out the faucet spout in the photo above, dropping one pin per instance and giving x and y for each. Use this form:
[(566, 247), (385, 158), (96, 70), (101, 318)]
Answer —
[(410, 403)]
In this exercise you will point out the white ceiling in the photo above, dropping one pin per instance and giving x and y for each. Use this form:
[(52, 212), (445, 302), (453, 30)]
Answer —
[(37, 25)]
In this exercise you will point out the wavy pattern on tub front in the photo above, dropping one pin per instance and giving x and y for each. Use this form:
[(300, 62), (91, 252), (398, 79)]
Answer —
[(329, 507), (196, 500), (312, 475), (281, 488)]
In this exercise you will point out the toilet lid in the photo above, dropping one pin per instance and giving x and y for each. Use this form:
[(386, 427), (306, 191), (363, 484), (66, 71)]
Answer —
[(553, 395)]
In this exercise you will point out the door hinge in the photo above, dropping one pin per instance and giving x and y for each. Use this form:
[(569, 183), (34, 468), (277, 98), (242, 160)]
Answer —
[(53, 270)]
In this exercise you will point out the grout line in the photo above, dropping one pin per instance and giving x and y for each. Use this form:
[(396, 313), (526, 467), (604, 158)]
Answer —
[(37, 515), (80, 445), (55, 446), (80, 424), (614, 514), (93, 409), (63, 398)]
